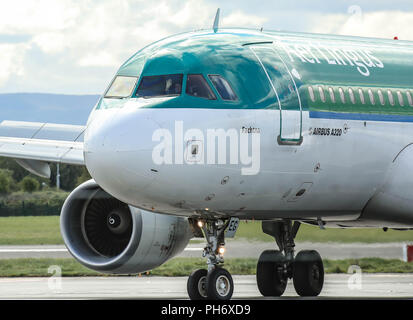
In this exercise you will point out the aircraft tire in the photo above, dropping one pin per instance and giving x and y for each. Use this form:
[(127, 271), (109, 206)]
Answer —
[(220, 284), (270, 281), (197, 285), (308, 273)]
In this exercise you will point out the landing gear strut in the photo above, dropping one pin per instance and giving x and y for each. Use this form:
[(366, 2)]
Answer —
[(275, 267), (215, 283)]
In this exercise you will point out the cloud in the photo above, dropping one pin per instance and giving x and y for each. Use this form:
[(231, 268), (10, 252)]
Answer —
[(100, 59), (241, 19), (75, 46), (11, 57), (83, 34), (369, 24), (35, 16), (74, 34)]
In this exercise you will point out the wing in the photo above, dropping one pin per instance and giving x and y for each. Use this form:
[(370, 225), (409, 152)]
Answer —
[(34, 144), (42, 150)]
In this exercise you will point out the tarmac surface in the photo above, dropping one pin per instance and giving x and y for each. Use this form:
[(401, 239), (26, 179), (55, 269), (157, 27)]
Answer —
[(336, 286), (234, 249)]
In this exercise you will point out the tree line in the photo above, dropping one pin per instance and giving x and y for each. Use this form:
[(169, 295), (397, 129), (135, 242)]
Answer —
[(14, 178)]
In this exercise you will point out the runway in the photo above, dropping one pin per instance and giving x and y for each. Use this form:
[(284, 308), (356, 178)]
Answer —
[(336, 287), (133, 287), (235, 249)]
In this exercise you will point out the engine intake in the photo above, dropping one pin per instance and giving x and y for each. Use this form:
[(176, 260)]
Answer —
[(107, 235)]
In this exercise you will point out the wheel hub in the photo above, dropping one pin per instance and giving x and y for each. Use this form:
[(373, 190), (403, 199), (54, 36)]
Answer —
[(315, 273), (223, 285), (202, 287)]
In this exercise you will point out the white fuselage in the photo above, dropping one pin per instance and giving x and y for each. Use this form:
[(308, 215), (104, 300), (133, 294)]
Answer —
[(338, 173)]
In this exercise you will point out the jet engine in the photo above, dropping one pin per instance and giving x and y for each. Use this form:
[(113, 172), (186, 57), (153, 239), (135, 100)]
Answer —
[(107, 235)]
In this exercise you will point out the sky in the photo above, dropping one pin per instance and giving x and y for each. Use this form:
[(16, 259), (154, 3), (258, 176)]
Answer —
[(76, 46)]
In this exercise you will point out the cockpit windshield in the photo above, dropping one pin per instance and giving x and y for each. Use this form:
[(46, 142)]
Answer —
[(162, 85), (121, 87), (223, 87), (197, 86)]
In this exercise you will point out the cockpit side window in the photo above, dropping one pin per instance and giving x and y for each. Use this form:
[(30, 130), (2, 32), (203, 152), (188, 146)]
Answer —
[(197, 86), (162, 85), (223, 87), (121, 87)]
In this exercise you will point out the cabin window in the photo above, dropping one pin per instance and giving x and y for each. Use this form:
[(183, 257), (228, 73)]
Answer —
[(311, 93), (223, 87), (409, 98), (121, 87), (197, 86), (400, 98), (371, 97), (381, 97), (162, 85), (332, 95), (361, 94), (321, 92), (352, 97), (391, 97), (342, 96)]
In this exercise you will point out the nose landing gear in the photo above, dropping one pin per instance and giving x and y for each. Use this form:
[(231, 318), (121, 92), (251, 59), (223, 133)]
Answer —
[(215, 283), (274, 268)]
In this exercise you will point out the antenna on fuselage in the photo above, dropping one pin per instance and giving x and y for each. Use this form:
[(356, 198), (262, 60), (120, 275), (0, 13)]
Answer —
[(216, 20)]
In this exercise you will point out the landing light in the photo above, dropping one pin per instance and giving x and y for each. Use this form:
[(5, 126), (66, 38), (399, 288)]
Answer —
[(221, 250), (200, 223)]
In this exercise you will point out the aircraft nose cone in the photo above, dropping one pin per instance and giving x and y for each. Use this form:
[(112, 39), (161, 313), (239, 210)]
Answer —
[(118, 152)]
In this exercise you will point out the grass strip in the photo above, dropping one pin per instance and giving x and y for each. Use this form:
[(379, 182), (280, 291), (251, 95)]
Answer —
[(45, 230), (30, 230), (184, 266)]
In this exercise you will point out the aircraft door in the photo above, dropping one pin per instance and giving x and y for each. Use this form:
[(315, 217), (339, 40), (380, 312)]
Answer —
[(286, 93)]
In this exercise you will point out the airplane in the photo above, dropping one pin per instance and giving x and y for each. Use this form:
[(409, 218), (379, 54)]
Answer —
[(200, 130)]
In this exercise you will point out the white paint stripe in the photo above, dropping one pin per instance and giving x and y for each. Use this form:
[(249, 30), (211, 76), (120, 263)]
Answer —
[(63, 250), (31, 250), (7, 280)]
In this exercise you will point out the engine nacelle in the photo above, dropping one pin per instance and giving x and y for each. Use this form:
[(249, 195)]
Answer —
[(106, 235)]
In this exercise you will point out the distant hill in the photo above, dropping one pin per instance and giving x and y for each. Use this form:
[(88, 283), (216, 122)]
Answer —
[(44, 107)]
